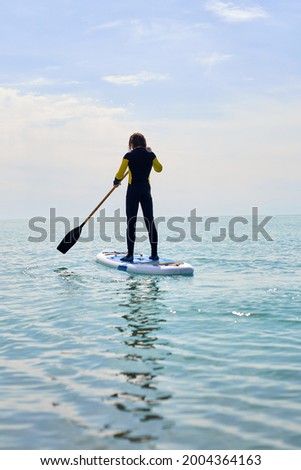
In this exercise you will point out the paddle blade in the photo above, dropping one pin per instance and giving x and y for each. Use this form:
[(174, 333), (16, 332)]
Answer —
[(70, 239)]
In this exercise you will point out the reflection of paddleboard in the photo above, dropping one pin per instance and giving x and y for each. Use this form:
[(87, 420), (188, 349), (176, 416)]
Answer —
[(143, 265)]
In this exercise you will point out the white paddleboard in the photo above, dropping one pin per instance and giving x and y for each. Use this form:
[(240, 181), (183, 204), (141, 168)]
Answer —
[(143, 265)]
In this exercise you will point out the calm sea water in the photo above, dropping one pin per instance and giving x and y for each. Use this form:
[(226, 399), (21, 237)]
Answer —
[(92, 358)]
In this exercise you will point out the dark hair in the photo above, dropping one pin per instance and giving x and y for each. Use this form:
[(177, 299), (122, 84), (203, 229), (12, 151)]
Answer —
[(137, 140)]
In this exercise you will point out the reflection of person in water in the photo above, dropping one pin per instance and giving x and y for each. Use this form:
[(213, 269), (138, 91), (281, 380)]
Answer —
[(143, 359)]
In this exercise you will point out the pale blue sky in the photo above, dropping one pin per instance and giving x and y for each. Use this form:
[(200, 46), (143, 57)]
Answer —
[(214, 85)]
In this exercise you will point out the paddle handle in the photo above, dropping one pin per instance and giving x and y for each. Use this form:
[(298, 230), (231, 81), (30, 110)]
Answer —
[(103, 200)]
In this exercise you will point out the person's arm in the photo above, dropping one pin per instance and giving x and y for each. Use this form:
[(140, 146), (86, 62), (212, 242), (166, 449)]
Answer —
[(157, 165), (121, 171)]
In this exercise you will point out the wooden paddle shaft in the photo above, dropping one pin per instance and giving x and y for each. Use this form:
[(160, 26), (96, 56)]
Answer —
[(103, 200)]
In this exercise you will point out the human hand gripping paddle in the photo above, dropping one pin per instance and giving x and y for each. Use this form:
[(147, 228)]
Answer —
[(71, 238)]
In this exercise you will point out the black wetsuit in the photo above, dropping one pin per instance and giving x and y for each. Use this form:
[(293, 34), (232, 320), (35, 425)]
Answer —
[(140, 161)]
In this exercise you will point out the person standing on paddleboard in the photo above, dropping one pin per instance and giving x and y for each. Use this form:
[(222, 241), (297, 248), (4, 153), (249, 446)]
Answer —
[(139, 160)]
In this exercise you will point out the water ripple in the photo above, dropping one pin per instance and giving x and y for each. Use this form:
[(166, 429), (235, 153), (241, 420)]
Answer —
[(95, 359)]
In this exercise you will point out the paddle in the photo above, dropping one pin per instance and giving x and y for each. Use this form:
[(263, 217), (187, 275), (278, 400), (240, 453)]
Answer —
[(71, 238)]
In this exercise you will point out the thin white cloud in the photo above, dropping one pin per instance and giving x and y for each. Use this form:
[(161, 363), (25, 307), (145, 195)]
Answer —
[(45, 110), (105, 26), (50, 68), (234, 13), (210, 61), (72, 82), (39, 81), (214, 58), (165, 30), (134, 80)]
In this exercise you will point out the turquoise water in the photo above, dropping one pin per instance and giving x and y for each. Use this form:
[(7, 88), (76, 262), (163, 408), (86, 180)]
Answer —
[(92, 358)]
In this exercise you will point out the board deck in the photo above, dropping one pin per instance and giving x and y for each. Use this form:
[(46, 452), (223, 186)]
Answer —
[(143, 265)]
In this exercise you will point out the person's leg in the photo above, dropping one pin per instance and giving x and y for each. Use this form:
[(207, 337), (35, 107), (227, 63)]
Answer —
[(132, 204), (147, 209)]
